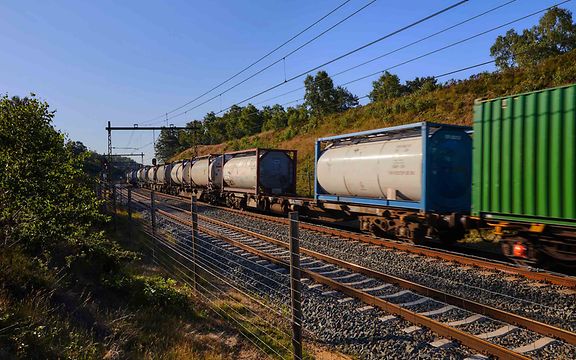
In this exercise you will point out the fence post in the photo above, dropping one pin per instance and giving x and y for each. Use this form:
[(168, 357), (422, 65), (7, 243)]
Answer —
[(194, 212), (129, 208), (153, 218), (114, 206), (295, 286)]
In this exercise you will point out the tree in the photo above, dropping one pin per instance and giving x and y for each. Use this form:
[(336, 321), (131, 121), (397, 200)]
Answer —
[(554, 34), (168, 144), (322, 98), (421, 84), (250, 120), (194, 136), (297, 116), (48, 206), (386, 87), (215, 128), (232, 123), (274, 118)]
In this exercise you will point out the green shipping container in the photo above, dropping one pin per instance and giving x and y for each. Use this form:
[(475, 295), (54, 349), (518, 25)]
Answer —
[(524, 157)]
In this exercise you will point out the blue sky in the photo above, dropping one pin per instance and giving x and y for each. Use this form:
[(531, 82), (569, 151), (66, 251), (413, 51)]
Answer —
[(130, 61)]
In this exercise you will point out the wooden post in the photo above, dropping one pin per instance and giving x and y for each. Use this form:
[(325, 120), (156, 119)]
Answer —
[(295, 286), (194, 212), (153, 218), (129, 208)]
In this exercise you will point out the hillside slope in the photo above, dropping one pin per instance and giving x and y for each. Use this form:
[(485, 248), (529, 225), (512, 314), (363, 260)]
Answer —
[(451, 104)]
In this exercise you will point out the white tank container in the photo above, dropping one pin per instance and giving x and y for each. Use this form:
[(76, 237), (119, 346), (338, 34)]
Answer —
[(151, 174), (163, 174), (240, 172), (205, 172), (276, 172), (180, 173), (388, 169), (186, 172), (176, 168), (215, 172), (140, 174)]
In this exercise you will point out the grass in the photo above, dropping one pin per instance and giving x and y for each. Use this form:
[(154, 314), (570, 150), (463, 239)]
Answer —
[(144, 312)]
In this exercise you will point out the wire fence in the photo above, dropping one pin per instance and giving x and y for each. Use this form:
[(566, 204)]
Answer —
[(255, 296)]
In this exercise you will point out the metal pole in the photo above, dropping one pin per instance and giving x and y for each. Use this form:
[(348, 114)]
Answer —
[(194, 211), (129, 205), (295, 286), (153, 218)]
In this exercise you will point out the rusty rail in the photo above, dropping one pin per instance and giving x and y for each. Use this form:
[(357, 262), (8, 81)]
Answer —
[(441, 329)]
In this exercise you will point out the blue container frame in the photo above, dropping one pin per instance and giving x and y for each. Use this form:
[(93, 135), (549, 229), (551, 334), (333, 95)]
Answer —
[(409, 130)]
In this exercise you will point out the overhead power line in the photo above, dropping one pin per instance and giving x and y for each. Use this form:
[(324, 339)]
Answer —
[(420, 56), (441, 49), (335, 59), (356, 50), (400, 48), (254, 63), (282, 59)]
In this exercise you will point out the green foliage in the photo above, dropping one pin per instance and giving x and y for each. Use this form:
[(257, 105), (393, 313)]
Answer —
[(421, 84), (274, 118), (555, 34), (94, 162), (386, 87), (168, 144), (157, 291), (250, 120), (47, 205), (322, 98)]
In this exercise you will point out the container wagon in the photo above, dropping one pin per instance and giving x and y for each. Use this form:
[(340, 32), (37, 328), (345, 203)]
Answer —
[(524, 182), (411, 182), (258, 178)]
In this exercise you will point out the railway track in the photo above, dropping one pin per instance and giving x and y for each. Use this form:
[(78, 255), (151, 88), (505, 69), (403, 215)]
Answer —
[(466, 260), (416, 303)]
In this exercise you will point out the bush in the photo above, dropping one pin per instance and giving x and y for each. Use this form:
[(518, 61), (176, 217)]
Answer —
[(151, 291), (48, 206)]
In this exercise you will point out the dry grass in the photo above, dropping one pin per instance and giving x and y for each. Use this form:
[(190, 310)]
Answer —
[(144, 313)]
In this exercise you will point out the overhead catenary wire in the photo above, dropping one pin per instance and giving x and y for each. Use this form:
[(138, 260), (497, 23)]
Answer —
[(340, 57), (437, 51), (401, 48), (371, 43), (255, 62), (282, 59)]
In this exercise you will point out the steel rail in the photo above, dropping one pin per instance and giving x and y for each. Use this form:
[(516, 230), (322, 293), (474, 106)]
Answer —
[(441, 329), (478, 344), (530, 324), (532, 274)]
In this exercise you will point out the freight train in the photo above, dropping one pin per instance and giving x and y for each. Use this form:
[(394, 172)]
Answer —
[(514, 172)]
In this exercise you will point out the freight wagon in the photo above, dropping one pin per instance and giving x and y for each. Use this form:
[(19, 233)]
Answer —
[(514, 173), (410, 182), (524, 182)]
